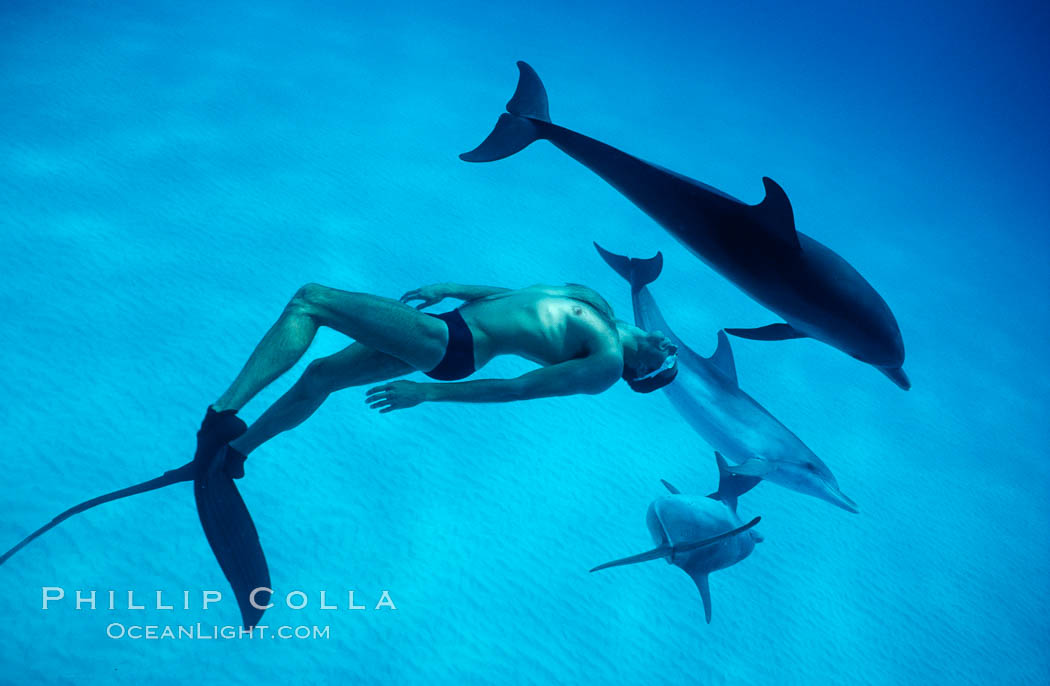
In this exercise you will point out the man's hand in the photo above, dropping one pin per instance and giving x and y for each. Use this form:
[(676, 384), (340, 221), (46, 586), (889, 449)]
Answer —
[(396, 396), (430, 295)]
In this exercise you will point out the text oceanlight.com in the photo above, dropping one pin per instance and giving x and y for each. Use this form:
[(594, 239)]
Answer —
[(202, 632)]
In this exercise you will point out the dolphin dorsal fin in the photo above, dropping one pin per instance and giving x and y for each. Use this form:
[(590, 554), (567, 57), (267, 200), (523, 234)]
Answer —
[(776, 216), (723, 357)]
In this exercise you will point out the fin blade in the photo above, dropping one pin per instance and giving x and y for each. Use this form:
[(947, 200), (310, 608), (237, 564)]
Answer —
[(233, 539), (723, 357), (174, 476), (654, 554), (772, 332)]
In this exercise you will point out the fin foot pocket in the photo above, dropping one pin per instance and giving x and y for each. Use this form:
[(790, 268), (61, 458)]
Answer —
[(217, 429)]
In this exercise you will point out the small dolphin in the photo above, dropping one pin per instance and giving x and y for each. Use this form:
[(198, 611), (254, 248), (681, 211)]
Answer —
[(226, 522), (707, 395), (818, 293), (698, 534)]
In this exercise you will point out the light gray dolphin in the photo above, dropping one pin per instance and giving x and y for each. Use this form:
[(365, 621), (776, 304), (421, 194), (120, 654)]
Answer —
[(707, 395), (698, 534), (818, 293)]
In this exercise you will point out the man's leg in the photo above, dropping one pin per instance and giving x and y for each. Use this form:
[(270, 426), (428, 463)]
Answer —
[(383, 324), (352, 366)]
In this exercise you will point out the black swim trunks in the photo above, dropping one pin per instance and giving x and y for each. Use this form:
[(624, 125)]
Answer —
[(458, 362)]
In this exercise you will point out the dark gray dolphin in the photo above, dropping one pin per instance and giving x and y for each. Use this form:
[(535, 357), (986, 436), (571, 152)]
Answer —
[(708, 397), (226, 522), (818, 293), (698, 534)]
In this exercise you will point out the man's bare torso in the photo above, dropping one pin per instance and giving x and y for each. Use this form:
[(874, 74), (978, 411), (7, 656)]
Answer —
[(540, 323)]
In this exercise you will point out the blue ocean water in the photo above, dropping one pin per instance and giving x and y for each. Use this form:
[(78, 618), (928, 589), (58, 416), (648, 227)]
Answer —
[(170, 176)]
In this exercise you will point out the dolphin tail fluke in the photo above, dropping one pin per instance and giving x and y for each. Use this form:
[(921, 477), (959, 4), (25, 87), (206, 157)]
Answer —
[(516, 130), (183, 473), (639, 272), (530, 97), (731, 485), (512, 134), (234, 541)]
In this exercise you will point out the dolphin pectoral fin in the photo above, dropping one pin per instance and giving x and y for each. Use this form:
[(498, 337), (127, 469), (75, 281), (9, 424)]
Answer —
[(174, 476), (775, 215), (897, 376), (669, 487), (654, 554), (234, 541), (723, 357), (680, 548), (772, 332)]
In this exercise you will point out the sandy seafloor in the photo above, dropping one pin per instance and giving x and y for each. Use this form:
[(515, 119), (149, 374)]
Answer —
[(169, 177)]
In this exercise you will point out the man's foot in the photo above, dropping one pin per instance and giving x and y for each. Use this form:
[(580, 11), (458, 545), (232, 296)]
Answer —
[(217, 429), (233, 462)]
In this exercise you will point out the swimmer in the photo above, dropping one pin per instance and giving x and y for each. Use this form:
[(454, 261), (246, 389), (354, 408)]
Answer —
[(570, 331)]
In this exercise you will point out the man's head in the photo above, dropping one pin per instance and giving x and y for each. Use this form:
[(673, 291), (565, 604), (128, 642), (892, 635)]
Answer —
[(649, 358)]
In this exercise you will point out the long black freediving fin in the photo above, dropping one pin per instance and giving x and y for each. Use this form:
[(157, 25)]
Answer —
[(184, 473), (234, 541)]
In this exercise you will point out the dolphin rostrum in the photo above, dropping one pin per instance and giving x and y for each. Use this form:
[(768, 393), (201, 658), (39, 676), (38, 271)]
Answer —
[(818, 293), (226, 522), (698, 534), (707, 395)]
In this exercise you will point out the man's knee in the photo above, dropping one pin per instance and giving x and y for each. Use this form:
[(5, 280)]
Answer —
[(309, 298)]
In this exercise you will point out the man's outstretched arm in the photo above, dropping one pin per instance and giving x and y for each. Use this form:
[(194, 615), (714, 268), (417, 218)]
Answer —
[(433, 294), (592, 374)]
